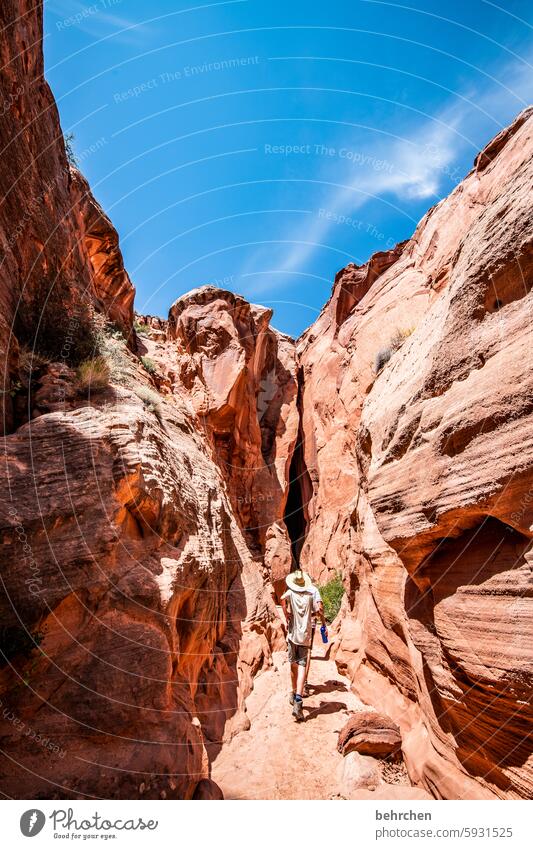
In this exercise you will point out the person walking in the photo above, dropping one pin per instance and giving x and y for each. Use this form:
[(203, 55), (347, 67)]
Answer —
[(297, 604)]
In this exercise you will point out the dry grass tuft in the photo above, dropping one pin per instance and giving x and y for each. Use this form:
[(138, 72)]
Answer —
[(93, 376)]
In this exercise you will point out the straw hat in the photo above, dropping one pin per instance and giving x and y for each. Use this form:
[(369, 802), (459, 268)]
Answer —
[(298, 581)]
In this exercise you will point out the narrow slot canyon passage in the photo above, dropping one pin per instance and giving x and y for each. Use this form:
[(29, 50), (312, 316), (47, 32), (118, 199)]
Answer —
[(276, 757), (296, 515)]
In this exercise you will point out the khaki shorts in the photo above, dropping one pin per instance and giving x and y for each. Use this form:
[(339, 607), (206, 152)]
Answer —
[(297, 654)]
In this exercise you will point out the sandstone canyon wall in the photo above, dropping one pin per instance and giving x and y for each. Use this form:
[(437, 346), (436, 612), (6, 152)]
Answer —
[(423, 476), (145, 523), (135, 607)]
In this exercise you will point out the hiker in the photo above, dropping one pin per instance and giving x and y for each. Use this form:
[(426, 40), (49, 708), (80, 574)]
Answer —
[(297, 604), (318, 613)]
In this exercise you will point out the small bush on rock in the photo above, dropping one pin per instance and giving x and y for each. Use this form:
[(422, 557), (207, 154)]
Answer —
[(140, 328), (382, 358), (384, 354), (30, 361), (150, 400), (69, 149), (399, 337)]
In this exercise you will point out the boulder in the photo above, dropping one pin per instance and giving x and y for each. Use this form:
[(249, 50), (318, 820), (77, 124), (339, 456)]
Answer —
[(370, 733)]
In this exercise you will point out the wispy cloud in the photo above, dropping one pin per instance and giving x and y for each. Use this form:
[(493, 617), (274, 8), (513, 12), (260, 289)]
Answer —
[(417, 166), (410, 168)]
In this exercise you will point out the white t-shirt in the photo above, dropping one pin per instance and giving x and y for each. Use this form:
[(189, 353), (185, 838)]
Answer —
[(300, 621)]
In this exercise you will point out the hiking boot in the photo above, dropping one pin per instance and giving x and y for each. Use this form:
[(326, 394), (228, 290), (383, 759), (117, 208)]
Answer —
[(292, 698), (298, 710)]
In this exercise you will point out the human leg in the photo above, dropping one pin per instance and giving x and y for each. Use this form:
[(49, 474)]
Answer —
[(292, 651), (294, 679), (299, 656), (300, 679)]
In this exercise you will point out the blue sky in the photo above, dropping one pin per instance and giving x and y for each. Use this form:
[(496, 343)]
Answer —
[(263, 146)]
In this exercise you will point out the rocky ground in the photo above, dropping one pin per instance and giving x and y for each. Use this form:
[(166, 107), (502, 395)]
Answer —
[(279, 758)]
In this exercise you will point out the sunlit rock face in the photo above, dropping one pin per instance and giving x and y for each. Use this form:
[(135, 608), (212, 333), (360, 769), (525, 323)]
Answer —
[(422, 476), (241, 375)]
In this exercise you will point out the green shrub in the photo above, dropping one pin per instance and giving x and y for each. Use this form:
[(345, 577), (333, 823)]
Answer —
[(69, 149), (140, 328), (332, 594), (149, 365), (150, 400), (93, 376)]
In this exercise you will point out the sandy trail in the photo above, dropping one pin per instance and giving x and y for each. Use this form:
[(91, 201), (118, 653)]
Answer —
[(279, 758)]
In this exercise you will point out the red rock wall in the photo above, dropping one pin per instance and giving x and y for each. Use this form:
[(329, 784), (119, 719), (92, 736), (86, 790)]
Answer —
[(112, 286), (123, 553), (34, 182), (241, 375), (134, 612), (53, 235), (423, 477)]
